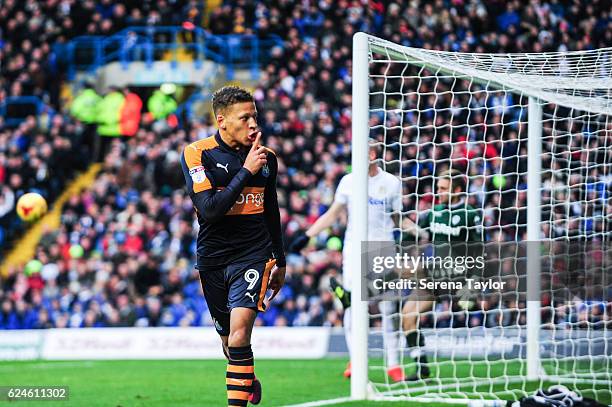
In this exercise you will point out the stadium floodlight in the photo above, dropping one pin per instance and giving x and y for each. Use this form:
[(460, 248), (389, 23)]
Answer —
[(532, 134)]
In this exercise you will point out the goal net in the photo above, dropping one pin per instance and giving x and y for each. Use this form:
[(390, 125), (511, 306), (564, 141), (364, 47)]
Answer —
[(531, 136)]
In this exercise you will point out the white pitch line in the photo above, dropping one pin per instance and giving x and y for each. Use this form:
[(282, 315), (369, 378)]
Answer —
[(322, 402)]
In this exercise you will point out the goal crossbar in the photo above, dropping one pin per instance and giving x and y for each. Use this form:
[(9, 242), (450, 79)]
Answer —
[(515, 72)]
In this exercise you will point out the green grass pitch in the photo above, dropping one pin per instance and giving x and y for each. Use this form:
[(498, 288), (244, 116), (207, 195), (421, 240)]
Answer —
[(183, 383)]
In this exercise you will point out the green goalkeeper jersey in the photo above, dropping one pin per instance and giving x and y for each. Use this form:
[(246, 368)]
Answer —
[(453, 230), (456, 223)]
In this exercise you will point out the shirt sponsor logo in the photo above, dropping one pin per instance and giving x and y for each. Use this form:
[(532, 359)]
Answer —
[(440, 228), (374, 201), (250, 201), (198, 174), (256, 199)]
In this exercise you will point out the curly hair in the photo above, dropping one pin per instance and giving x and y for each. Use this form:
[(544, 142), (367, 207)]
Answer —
[(228, 96)]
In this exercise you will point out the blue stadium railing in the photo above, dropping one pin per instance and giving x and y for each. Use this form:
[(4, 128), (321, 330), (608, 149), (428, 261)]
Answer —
[(15, 109), (148, 44)]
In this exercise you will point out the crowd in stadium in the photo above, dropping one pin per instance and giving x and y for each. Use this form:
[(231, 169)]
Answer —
[(124, 253)]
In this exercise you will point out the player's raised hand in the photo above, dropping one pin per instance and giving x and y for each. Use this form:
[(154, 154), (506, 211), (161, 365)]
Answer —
[(257, 156), (277, 279)]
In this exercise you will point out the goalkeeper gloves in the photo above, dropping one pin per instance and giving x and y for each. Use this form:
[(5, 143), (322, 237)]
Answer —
[(343, 295), (298, 243)]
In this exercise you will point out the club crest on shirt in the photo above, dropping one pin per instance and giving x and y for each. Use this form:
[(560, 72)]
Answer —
[(197, 174), (265, 170)]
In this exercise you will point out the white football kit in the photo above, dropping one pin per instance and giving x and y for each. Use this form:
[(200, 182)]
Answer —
[(384, 197)]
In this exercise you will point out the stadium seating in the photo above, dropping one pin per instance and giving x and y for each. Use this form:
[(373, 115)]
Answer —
[(136, 225)]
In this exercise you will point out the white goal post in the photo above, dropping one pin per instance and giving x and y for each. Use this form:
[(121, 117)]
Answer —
[(534, 129)]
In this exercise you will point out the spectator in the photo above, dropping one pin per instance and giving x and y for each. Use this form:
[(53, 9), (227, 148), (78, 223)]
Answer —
[(137, 229)]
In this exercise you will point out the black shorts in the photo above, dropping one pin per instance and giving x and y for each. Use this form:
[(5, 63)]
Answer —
[(241, 284)]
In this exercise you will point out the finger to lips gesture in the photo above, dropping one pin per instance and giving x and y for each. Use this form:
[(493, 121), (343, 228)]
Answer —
[(257, 156)]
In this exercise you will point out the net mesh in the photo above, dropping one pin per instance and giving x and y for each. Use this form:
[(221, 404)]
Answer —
[(432, 111)]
